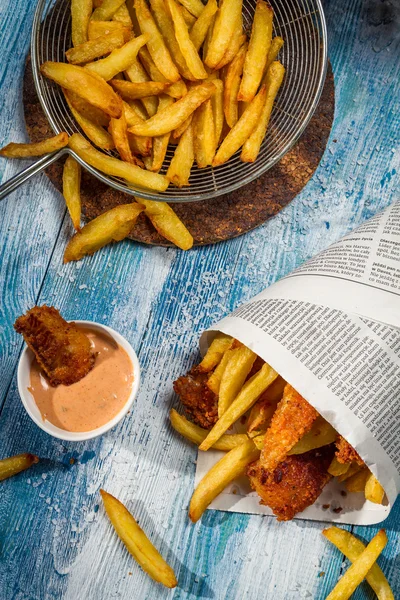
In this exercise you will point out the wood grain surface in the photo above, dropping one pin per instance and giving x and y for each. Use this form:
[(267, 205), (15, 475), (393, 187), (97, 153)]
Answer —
[(56, 541)]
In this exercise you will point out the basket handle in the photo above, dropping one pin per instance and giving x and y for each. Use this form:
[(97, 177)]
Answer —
[(38, 166)]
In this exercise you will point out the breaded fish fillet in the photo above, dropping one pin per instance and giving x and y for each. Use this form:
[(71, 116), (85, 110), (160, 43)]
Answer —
[(200, 402), (293, 418), (62, 350), (294, 484), (345, 453)]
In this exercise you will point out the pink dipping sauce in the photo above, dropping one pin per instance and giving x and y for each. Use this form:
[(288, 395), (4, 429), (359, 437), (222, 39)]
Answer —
[(96, 398)]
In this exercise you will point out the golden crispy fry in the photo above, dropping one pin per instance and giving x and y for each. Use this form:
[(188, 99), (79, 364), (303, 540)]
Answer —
[(86, 84), (242, 130), (122, 16), (237, 369), (252, 389), (220, 475), (359, 569), (96, 48), (139, 145), (156, 45), (236, 42), (81, 11), (214, 381), (197, 434), (356, 483), (336, 468), (99, 136), (15, 150), (352, 548), (374, 492), (138, 107), (129, 90), (224, 27), (99, 28), (186, 45), (276, 45), (261, 413), (217, 101), (119, 60), (137, 543), (61, 349), (93, 114), (199, 30), (106, 10), (190, 19), (215, 352), (320, 434), (182, 128), (257, 54), (119, 133), (15, 464), (160, 143), (137, 74), (115, 167), (204, 135), (179, 169), (274, 80), (175, 90), (209, 35), (72, 190), (166, 26), (231, 87), (113, 225), (195, 7), (167, 223), (172, 117), (352, 470)]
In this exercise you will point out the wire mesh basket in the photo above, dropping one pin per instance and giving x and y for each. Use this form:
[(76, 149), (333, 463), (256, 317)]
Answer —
[(300, 23)]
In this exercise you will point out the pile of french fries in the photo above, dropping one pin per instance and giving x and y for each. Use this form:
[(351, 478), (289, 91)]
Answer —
[(228, 364)]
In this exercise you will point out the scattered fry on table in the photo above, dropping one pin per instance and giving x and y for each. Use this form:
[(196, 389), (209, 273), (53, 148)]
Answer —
[(16, 150), (167, 223), (15, 464)]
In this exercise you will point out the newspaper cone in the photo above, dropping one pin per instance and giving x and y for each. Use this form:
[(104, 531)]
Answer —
[(332, 330)]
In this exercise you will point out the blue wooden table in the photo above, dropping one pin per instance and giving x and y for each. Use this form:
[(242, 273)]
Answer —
[(56, 541)]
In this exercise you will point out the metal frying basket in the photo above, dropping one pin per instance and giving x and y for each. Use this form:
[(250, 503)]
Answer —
[(301, 23)]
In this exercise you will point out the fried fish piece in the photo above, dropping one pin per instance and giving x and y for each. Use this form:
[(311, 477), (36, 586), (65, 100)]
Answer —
[(345, 453), (200, 402), (292, 419), (294, 484), (62, 350)]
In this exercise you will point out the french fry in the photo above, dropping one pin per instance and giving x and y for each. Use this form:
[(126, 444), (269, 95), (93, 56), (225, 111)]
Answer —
[(172, 117), (214, 381), (166, 27), (224, 27), (167, 223), (113, 225), (115, 167), (232, 85), (242, 130), (106, 10), (156, 45), (119, 133), (72, 190), (257, 53), (209, 35), (204, 135), (374, 492), (138, 144), (137, 74), (215, 352), (160, 143), (119, 60), (190, 19), (276, 45), (122, 16), (195, 7), (99, 28), (86, 84), (250, 392), (352, 470), (96, 115), (81, 11), (199, 30), (336, 469), (236, 43), (220, 475), (237, 368), (179, 169), (129, 90), (320, 434), (186, 45), (175, 90), (16, 150), (96, 48), (352, 548), (15, 464), (262, 411), (197, 434), (274, 78), (182, 128), (139, 109), (359, 569), (99, 136), (217, 101), (137, 542), (356, 483)]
